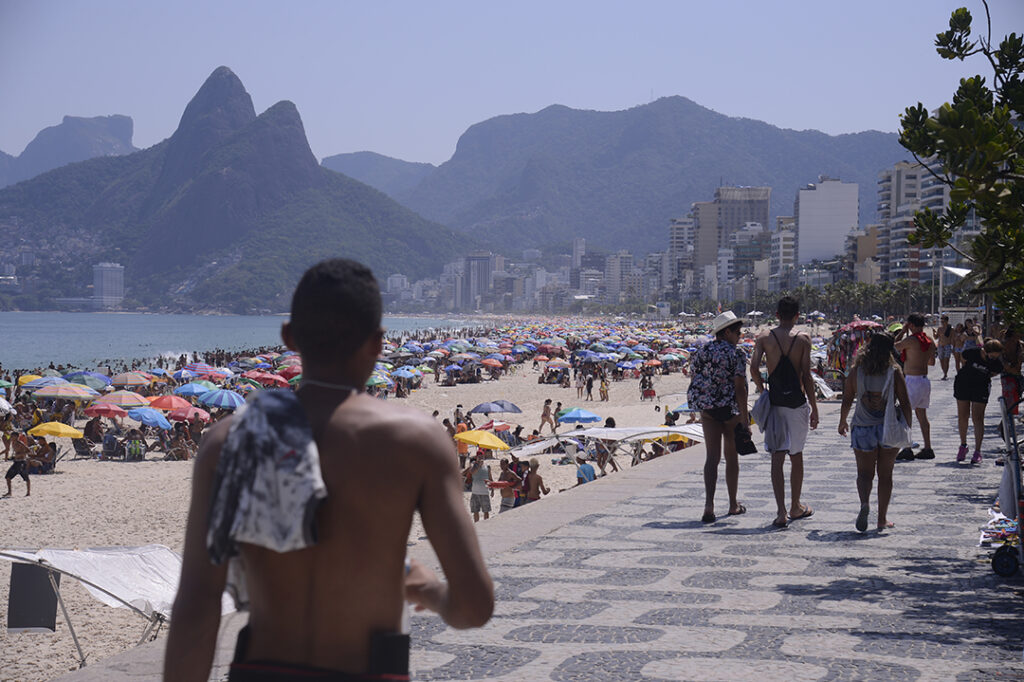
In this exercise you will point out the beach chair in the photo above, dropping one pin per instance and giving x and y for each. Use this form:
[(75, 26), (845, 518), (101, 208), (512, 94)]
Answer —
[(112, 449), (83, 450)]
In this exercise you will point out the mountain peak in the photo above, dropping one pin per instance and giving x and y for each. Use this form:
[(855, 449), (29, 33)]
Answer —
[(220, 108)]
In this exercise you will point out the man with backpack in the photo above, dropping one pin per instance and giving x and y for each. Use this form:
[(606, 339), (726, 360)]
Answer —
[(793, 407)]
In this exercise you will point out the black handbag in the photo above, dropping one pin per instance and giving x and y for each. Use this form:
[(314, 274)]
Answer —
[(744, 441)]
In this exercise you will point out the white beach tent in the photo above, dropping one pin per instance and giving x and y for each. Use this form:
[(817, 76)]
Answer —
[(143, 579), (627, 435)]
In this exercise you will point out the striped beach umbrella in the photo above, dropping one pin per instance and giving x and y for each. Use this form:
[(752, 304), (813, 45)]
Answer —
[(223, 398), (67, 392), (43, 382), (130, 379)]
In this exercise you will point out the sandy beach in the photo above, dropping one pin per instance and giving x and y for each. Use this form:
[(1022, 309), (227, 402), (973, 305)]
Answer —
[(102, 503), (99, 503)]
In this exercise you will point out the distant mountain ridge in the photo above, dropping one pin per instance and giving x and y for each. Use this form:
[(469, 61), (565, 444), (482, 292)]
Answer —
[(74, 139), (224, 214), (617, 178), (392, 176)]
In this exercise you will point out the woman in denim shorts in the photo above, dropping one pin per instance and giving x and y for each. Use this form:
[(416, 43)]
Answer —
[(867, 382)]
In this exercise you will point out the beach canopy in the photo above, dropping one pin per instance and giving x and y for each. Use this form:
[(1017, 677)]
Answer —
[(56, 429), (482, 439)]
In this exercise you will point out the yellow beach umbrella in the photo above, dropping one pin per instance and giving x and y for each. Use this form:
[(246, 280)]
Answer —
[(56, 429), (482, 439), (25, 378)]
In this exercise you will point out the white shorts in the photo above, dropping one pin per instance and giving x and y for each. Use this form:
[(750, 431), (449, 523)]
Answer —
[(919, 390), (786, 428)]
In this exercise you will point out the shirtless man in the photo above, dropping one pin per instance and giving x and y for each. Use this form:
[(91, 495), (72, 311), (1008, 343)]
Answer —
[(20, 466), (918, 353), (944, 340), (536, 482), (794, 405), (508, 494), (331, 603)]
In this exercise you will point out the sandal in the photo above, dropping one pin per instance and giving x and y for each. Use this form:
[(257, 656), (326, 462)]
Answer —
[(783, 523), (740, 509), (709, 517), (805, 512)]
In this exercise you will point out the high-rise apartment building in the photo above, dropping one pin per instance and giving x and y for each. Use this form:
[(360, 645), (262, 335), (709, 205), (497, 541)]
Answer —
[(107, 285), (825, 212), (579, 249), (476, 279)]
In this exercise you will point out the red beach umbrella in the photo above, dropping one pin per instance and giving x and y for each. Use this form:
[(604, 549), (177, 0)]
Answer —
[(104, 410), (185, 414)]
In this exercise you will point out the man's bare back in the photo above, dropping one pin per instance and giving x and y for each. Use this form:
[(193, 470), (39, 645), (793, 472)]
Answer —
[(768, 345), (917, 359)]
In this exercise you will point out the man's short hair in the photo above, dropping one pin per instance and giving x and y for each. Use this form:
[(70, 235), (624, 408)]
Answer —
[(916, 319), (336, 307), (787, 308)]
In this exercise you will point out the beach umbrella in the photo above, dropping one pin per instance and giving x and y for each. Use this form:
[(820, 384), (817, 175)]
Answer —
[(93, 380), (5, 384), (222, 398), (150, 417), (578, 414), (25, 378), (56, 429), (43, 382), (104, 410), (297, 379), (185, 414), (377, 380), (130, 379), (195, 388), (169, 402), (490, 363), (67, 392), (482, 439), (453, 368), (50, 372), (127, 399), (403, 374), (184, 375), (198, 367), (159, 372)]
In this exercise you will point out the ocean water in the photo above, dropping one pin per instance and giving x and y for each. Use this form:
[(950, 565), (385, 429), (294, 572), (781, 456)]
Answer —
[(83, 340)]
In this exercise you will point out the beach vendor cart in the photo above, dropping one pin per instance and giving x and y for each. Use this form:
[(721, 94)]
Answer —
[(843, 348)]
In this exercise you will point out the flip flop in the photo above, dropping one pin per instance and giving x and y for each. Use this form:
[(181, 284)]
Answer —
[(739, 510), (780, 524), (887, 526), (862, 520), (707, 518), (806, 513)]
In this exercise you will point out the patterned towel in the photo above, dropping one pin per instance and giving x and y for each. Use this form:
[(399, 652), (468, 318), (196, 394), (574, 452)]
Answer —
[(267, 486)]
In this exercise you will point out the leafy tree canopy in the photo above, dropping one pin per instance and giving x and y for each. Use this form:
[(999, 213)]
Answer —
[(974, 144)]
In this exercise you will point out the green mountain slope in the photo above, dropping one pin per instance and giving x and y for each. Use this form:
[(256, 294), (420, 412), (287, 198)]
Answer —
[(617, 178), (394, 177), (226, 213)]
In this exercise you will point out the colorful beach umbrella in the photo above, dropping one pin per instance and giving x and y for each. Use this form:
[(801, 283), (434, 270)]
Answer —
[(150, 417), (222, 398), (67, 392), (56, 429), (130, 379), (43, 382), (126, 399), (578, 414), (169, 402), (105, 410), (482, 439)]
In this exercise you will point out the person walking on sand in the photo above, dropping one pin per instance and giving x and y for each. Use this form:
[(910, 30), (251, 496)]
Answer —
[(874, 380), (944, 339), (590, 387), (918, 352), (971, 388), (791, 394), (718, 388), (20, 466), (546, 418), (309, 466)]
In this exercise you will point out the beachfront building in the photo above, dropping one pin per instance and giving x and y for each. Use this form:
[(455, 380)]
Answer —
[(107, 285), (824, 212), (862, 247), (783, 258)]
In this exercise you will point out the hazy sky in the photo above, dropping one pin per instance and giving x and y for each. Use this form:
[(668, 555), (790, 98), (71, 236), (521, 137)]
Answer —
[(407, 78)]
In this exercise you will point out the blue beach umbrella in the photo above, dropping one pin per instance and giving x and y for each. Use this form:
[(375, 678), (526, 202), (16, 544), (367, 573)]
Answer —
[(184, 375), (43, 382), (578, 414), (222, 398), (150, 417), (403, 373), (195, 388)]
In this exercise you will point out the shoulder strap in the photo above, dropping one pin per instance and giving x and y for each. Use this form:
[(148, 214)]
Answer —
[(792, 342)]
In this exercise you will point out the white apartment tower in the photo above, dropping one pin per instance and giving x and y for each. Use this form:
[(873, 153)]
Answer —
[(825, 213), (107, 285)]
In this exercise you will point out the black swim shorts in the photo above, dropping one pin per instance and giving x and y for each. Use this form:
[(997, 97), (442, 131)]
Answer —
[(19, 468)]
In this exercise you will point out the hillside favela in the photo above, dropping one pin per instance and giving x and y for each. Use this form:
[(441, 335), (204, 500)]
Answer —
[(534, 341)]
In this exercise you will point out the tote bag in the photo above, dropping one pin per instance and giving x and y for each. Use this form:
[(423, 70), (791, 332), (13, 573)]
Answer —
[(895, 430)]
